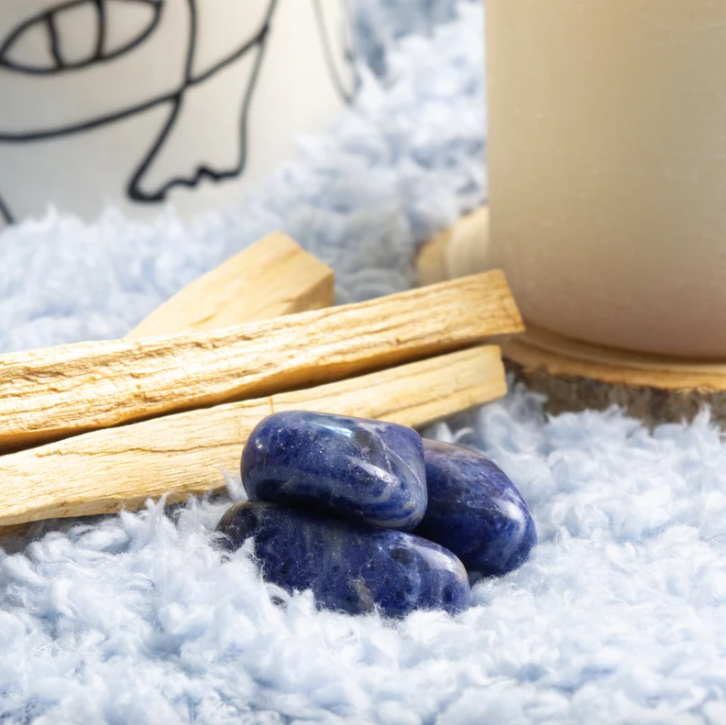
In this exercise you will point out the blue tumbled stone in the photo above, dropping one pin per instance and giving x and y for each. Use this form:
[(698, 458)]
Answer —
[(355, 468), (349, 567), (475, 511)]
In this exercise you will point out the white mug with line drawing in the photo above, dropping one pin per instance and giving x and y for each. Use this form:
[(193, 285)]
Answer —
[(140, 102)]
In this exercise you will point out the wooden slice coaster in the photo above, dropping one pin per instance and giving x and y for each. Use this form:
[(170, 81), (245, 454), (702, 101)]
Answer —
[(457, 251), (578, 376)]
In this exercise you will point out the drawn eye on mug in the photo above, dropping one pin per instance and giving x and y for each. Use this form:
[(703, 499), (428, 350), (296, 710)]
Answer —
[(75, 34), (59, 59)]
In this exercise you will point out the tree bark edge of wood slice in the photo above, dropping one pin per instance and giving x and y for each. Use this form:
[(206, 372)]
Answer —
[(576, 376)]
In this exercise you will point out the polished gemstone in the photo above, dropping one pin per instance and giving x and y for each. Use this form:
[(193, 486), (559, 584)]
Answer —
[(475, 511), (355, 468), (349, 567)]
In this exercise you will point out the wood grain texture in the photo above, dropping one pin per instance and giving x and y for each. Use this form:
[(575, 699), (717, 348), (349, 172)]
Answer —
[(558, 355), (185, 453), (271, 278), (57, 392), (578, 376)]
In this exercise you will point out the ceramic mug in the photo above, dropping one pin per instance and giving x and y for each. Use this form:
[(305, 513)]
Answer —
[(607, 168), (140, 102)]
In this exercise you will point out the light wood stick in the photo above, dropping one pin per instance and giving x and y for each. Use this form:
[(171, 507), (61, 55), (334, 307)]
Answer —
[(273, 277), (183, 454), (58, 392)]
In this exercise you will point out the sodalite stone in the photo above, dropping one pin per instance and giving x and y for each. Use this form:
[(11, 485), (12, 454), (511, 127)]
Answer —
[(361, 469), (475, 511), (349, 567)]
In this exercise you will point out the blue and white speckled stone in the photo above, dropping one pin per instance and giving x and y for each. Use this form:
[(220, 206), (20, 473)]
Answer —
[(360, 469), (349, 567), (475, 511)]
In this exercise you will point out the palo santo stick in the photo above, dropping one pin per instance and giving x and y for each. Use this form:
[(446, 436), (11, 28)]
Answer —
[(58, 392), (184, 454), (273, 277)]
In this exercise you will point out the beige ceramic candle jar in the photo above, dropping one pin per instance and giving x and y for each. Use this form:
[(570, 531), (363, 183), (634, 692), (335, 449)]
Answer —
[(607, 162)]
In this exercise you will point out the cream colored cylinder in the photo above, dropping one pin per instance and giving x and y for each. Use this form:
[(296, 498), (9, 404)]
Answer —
[(607, 162)]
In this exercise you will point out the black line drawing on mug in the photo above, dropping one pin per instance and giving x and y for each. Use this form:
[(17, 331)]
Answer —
[(48, 17), (111, 41)]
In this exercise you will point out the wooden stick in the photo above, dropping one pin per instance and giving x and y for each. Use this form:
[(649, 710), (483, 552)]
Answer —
[(58, 392), (184, 454), (273, 277)]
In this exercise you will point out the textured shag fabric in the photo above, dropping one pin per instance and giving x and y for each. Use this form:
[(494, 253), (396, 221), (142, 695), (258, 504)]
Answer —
[(137, 618)]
